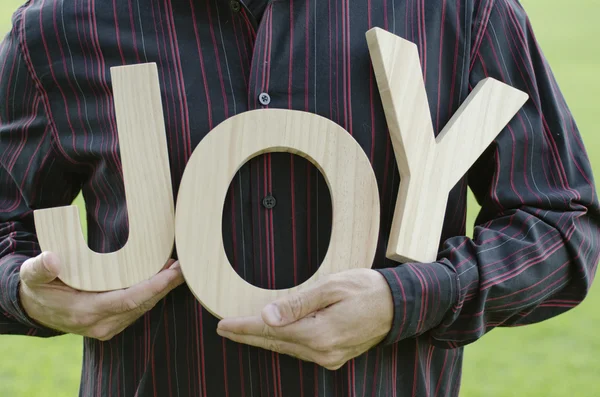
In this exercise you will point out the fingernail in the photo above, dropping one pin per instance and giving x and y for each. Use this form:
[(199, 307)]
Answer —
[(50, 258), (51, 262), (174, 266), (272, 313), (222, 325)]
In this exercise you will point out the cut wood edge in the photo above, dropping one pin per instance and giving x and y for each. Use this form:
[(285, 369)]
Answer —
[(414, 235), (345, 167), (148, 191)]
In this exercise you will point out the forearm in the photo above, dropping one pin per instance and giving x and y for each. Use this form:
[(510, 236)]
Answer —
[(17, 244), (536, 247), (13, 318), (32, 176), (520, 268)]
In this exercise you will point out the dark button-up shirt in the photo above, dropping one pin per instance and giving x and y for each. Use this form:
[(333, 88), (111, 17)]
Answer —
[(533, 254)]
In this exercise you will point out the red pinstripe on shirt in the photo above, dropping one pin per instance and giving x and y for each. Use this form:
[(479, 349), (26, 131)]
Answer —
[(534, 252)]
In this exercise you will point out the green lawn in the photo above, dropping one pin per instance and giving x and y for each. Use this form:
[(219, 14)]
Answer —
[(560, 357)]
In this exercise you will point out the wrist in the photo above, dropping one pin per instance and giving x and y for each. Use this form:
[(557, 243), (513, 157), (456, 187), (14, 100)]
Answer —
[(384, 299), (422, 294), (17, 300)]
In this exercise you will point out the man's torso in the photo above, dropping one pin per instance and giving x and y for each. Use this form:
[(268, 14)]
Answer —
[(215, 58)]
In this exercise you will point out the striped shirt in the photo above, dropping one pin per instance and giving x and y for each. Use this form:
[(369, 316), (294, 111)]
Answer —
[(535, 247)]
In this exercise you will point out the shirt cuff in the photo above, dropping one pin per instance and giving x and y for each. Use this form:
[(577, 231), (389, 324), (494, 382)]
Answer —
[(10, 301), (423, 294)]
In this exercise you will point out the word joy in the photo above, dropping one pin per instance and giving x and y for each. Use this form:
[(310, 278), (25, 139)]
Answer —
[(423, 161)]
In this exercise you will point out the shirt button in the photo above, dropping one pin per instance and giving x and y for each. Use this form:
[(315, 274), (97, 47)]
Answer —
[(235, 6), (264, 98), (269, 202)]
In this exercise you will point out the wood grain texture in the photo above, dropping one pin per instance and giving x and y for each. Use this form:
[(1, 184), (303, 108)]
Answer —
[(209, 172), (430, 167), (148, 192)]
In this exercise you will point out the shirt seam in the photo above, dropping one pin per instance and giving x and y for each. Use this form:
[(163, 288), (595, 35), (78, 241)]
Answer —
[(480, 27), (19, 29)]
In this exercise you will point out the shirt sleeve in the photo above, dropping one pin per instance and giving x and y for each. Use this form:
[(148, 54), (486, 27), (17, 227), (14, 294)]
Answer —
[(32, 175), (536, 244)]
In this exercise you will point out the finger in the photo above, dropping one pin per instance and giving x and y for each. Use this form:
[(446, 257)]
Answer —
[(302, 331), (170, 262), (143, 296), (300, 304), (247, 326), (42, 269), (275, 345)]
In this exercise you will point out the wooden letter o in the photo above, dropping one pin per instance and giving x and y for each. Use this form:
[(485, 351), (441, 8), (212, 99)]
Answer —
[(209, 172)]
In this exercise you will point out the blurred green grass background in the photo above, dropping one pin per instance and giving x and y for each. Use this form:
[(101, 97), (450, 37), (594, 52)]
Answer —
[(557, 358)]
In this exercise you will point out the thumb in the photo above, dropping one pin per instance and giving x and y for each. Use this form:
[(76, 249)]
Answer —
[(42, 269), (298, 305)]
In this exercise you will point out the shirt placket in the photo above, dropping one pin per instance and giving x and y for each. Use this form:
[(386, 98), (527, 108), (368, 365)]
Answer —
[(260, 196)]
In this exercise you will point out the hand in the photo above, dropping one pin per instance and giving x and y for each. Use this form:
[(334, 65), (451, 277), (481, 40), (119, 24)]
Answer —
[(103, 315), (329, 323)]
